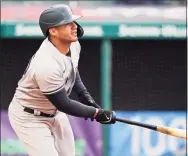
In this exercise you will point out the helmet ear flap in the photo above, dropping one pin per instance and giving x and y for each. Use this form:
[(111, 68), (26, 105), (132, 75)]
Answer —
[(80, 30)]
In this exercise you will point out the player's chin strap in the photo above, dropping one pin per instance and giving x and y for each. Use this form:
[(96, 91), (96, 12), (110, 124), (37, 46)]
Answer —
[(80, 30)]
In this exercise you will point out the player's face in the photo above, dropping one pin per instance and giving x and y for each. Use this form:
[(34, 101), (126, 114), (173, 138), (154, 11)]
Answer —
[(67, 32)]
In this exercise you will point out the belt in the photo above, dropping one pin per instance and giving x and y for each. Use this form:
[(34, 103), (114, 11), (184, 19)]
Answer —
[(37, 113)]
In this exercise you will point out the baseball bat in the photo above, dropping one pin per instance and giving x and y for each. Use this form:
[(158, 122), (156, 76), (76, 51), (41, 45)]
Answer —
[(180, 133)]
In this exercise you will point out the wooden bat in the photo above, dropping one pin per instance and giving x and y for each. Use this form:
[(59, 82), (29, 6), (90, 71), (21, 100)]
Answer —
[(180, 133)]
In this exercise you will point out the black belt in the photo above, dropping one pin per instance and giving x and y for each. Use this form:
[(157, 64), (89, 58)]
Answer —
[(37, 113)]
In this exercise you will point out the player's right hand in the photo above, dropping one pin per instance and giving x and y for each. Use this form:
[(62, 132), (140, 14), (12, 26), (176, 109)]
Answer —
[(105, 116)]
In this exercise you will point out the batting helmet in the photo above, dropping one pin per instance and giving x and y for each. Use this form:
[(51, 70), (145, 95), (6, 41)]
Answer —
[(58, 15)]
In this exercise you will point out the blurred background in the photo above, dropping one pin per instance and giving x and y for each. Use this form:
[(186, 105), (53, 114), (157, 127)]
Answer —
[(133, 60)]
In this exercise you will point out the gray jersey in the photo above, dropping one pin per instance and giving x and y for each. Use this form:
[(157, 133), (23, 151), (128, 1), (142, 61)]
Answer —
[(48, 72)]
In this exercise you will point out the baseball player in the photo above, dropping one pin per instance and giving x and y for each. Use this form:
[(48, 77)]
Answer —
[(39, 108)]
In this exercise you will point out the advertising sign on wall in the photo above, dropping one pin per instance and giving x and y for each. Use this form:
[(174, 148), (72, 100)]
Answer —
[(129, 140), (99, 30)]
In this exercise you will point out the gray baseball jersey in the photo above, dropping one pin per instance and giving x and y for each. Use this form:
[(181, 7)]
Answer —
[(48, 72)]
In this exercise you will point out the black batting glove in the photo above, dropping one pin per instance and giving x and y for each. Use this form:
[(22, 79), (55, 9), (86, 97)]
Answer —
[(105, 116)]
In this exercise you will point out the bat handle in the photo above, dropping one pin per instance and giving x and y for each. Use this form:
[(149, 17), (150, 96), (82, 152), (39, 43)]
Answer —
[(152, 127)]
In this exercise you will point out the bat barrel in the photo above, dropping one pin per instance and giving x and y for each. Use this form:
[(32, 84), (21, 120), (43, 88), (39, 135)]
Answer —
[(180, 133)]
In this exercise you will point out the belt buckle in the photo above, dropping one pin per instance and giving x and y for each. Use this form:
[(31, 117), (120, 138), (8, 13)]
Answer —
[(37, 112)]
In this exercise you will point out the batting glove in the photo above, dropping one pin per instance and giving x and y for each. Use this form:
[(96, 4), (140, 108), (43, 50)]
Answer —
[(105, 116)]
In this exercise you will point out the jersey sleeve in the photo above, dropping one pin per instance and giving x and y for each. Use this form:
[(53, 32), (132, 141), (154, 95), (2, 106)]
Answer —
[(49, 78)]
